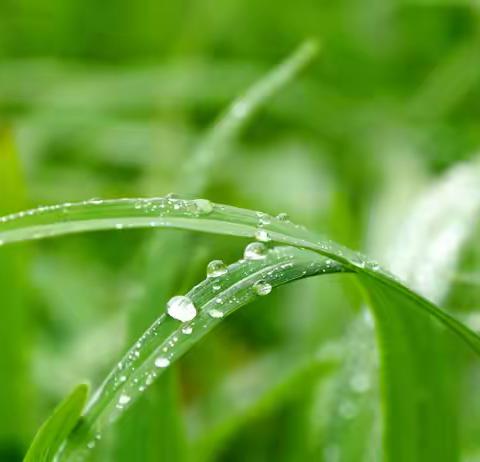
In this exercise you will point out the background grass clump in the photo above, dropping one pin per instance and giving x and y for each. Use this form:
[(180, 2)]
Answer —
[(368, 134)]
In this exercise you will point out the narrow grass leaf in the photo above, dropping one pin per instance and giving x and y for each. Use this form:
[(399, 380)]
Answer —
[(54, 431)]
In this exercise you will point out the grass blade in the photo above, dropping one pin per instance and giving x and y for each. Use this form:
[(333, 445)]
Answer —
[(172, 250), (16, 391), (204, 216), (167, 338), (54, 431), (196, 170)]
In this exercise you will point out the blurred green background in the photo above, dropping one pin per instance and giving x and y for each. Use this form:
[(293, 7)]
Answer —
[(109, 99)]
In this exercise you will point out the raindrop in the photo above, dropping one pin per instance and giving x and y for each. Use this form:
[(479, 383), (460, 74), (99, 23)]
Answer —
[(215, 313), (216, 268), (262, 288), (283, 217), (181, 308), (255, 251), (262, 235), (187, 330), (124, 399), (264, 220), (203, 206), (162, 362)]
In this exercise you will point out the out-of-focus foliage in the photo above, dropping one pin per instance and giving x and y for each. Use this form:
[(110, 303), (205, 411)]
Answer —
[(110, 99)]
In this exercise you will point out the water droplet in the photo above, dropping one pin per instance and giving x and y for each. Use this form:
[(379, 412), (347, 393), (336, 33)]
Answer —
[(255, 251), (262, 288), (215, 313), (162, 362), (216, 268), (263, 219), (181, 308), (91, 444), (203, 206), (262, 235), (283, 217), (124, 399), (187, 330), (119, 226)]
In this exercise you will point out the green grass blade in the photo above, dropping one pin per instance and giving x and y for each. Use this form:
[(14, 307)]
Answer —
[(54, 431), (173, 249), (204, 216), (167, 339), (16, 391), (201, 215), (196, 170)]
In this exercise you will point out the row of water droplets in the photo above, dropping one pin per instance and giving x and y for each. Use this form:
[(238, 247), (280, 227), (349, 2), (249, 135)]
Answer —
[(157, 210), (182, 308)]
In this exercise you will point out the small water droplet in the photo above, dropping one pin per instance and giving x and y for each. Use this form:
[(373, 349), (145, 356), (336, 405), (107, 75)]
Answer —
[(255, 251), (283, 217), (162, 362), (262, 235), (187, 330), (215, 313), (91, 444), (216, 268), (124, 399), (262, 288), (181, 308), (263, 219), (203, 206)]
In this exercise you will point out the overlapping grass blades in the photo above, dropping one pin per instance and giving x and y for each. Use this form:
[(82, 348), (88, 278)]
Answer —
[(387, 293), (192, 178)]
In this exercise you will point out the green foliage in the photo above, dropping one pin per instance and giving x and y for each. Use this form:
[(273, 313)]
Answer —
[(52, 433), (375, 147)]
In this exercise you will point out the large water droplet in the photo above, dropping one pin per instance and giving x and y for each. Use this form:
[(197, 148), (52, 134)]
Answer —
[(181, 308), (262, 288), (255, 251), (282, 217), (162, 362), (262, 235), (216, 268)]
